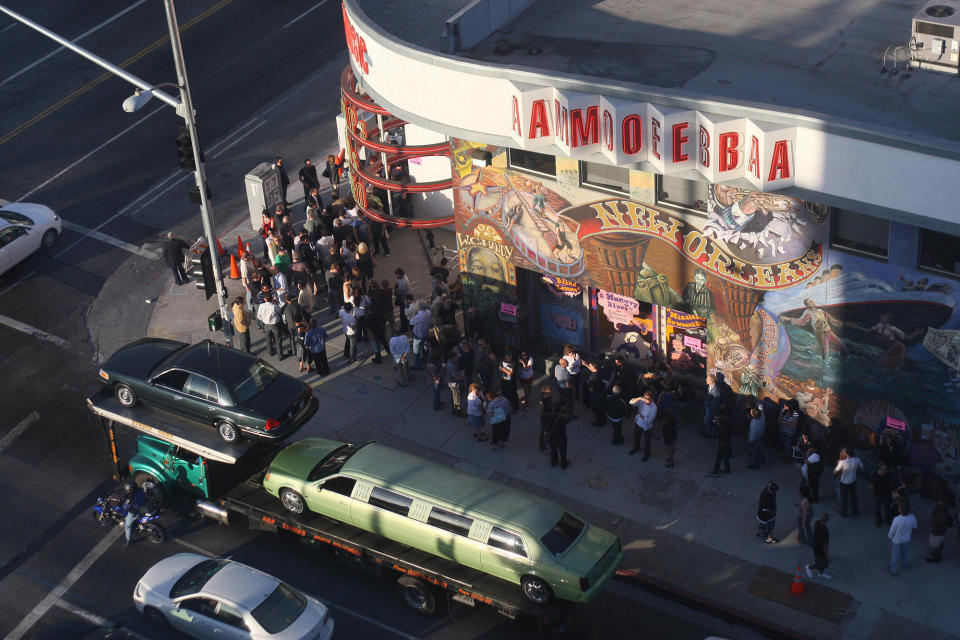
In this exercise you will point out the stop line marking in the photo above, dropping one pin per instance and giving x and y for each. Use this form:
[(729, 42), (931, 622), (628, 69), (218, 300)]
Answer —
[(117, 242), (23, 327)]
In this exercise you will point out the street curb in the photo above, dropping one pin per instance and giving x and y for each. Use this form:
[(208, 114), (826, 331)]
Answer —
[(695, 601)]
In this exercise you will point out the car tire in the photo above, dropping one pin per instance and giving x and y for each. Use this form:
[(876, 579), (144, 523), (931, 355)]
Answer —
[(292, 501), (227, 432), (151, 487), (417, 595), (156, 619), (536, 590), (125, 395), (48, 239)]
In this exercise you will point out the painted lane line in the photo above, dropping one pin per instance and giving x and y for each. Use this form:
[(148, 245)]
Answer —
[(192, 547), (89, 616), (319, 4), (85, 157), (160, 193), (14, 433), (230, 135), (75, 574), (221, 152), (23, 327), (117, 242), (130, 205), (8, 27), (74, 41)]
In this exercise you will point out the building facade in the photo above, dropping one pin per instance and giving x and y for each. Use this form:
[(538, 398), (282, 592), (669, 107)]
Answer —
[(777, 248)]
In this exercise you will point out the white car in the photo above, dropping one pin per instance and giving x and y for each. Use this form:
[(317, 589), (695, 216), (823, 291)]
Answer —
[(217, 598), (25, 228)]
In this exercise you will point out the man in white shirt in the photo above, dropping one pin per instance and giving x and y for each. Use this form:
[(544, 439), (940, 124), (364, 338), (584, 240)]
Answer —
[(846, 473), (269, 314), (643, 423), (900, 533), (349, 323), (420, 325), (400, 350)]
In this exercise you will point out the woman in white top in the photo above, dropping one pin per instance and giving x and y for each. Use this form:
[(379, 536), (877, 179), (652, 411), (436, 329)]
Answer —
[(272, 247), (475, 411), (525, 373)]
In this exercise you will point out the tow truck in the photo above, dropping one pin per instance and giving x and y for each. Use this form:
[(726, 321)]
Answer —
[(175, 455)]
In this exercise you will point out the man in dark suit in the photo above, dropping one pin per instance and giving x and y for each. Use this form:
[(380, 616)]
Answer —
[(173, 250)]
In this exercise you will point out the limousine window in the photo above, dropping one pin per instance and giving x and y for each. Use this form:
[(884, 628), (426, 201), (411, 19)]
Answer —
[(341, 484), (503, 539), (559, 539), (334, 461), (390, 501), (449, 521)]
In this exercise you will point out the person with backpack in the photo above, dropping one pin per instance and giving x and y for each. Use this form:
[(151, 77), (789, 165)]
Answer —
[(315, 341)]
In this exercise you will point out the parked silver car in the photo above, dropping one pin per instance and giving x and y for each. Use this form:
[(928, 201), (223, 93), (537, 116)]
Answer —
[(217, 598)]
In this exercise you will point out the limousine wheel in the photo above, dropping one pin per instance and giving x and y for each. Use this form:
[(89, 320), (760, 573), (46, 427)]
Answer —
[(417, 595), (536, 590), (292, 501)]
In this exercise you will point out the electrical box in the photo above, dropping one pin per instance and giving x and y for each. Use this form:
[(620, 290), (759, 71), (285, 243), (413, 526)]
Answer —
[(263, 192), (935, 43)]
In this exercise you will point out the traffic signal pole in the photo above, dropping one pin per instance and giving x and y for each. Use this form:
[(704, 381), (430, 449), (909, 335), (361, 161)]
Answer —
[(199, 173)]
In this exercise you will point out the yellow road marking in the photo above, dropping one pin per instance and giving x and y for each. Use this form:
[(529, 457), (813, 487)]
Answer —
[(93, 83)]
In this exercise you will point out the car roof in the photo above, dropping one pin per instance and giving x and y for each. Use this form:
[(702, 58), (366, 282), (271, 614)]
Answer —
[(455, 489), (213, 360), (241, 584)]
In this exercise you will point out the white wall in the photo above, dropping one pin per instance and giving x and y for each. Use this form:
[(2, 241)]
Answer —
[(437, 204)]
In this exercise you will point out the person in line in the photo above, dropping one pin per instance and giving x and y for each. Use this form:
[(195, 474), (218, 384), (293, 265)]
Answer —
[(558, 439), (435, 375), (669, 430), (475, 411), (269, 315), (724, 442), (846, 473), (882, 489), (615, 408), (789, 422), (241, 322), (399, 351), (508, 380), (767, 512), (941, 520), (564, 382), (348, 323), (821, 549), (455, 382), (594, 393), (804, 517), (643, 423), (900, 533), (498, 408), (758, 424), (420, 325), (546, 409), (525, 375), (315, 341)]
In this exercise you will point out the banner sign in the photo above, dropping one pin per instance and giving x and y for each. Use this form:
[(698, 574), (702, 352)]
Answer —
[(682, 320), (617, 308), (563, 286)]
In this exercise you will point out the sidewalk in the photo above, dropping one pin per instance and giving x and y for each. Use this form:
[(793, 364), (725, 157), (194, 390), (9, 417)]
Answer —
[(692, 535)]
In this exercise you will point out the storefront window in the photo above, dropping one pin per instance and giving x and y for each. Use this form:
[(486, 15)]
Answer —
[(541, 163), (687, 194), (860, 233), (603, 176), (940, 251)]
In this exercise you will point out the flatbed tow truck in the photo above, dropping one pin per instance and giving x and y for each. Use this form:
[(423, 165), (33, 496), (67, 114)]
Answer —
[(175, 454)]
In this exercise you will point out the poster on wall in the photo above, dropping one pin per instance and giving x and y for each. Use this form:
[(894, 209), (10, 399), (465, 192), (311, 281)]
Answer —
[(562, 317), (779, 312), (626, 327)]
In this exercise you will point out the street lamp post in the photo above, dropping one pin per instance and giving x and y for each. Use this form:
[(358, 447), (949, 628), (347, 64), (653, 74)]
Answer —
[(183, 106)]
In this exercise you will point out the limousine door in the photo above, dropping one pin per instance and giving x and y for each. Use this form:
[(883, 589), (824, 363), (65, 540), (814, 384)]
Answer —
[(333, 497), (505, 555)]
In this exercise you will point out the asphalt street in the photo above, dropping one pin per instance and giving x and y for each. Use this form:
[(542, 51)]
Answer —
[(264, 78)]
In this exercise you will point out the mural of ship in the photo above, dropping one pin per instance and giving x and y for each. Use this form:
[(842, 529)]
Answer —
[(856, 297)]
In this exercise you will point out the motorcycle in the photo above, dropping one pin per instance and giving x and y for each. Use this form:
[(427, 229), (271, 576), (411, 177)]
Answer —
[(108, 511)]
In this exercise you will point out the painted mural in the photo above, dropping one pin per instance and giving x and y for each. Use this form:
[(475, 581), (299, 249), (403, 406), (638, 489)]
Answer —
[(857, 341)]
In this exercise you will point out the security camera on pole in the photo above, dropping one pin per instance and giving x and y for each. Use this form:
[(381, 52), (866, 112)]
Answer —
[(183, 106)]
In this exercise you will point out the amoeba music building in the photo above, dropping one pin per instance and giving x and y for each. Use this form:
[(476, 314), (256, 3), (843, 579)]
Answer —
[(746, 194)]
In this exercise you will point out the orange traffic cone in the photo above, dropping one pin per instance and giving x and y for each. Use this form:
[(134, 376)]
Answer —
[(239, 247), (798, 588), (234, 269), (220, 250)]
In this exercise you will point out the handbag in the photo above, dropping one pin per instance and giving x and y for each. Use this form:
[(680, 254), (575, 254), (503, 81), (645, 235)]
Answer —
[(499, 415)]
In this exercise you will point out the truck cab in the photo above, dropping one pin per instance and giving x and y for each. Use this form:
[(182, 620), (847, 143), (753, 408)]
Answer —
[(169, 467)]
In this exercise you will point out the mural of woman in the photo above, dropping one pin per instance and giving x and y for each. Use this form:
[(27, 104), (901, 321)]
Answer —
[(891, 336)]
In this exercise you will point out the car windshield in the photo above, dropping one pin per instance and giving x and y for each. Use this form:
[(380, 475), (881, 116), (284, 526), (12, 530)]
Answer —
[(15, 218), (559, 539), (334, 461), (280, 609), (257, 378), (194, 579)]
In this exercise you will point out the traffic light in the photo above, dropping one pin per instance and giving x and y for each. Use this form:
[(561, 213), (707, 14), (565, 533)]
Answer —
[(203, 272), (185, 150)]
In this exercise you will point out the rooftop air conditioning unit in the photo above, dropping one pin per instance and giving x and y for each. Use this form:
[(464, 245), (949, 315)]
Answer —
[(936, 36)]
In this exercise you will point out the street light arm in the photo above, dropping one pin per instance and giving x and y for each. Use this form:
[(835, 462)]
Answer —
[(92, 57)]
